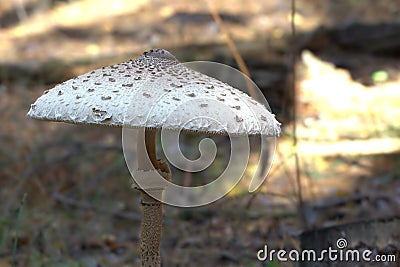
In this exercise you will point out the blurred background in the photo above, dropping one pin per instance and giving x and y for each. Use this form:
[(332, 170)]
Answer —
[(79, 208)]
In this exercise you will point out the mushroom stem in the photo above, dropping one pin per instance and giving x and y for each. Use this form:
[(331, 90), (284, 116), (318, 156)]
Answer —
[(150, 141), (151, 226), (151, 230)]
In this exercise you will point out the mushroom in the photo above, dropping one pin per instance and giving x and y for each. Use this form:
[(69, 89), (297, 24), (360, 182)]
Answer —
[(141, 94)]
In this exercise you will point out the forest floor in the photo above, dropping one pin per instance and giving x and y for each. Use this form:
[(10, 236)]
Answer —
[(80, 209)]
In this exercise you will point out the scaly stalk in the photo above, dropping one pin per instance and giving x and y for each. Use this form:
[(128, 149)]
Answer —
[(151, 226)]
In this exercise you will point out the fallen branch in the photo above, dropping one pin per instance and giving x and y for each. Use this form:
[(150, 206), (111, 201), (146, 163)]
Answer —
[(336, 202)]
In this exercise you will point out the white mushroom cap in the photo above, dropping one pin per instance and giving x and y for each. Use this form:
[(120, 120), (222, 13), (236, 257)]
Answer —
[(155, 91)]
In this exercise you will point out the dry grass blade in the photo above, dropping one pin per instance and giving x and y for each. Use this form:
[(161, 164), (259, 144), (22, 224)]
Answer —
[(231, 44)]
